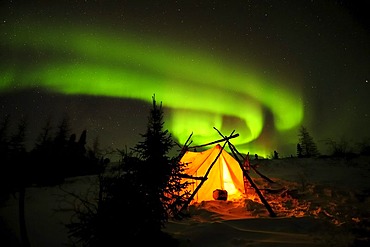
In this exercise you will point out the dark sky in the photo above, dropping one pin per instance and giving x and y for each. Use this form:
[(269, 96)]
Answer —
[(261, 68)]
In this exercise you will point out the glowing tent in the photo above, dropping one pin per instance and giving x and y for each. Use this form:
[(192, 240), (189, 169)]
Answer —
[(215, 170), (224, 173)]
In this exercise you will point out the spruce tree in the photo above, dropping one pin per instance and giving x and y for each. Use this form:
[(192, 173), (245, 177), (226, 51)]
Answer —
[(134, 200), (306, 143), (299, 151), (6, 181), (21, 174), (157, 173)]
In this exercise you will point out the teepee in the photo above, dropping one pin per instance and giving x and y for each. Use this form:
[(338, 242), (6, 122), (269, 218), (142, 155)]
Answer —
[(224, 173), (216, 170)]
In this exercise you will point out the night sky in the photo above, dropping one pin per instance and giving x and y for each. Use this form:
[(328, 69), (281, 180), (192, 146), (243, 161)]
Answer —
[(261, 68)]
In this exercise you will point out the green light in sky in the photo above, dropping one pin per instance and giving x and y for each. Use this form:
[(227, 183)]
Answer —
[(200, 91)]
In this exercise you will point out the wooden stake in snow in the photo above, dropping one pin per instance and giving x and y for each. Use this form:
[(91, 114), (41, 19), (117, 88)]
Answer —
[(246, 175)]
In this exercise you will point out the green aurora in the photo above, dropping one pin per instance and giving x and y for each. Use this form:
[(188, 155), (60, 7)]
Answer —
[(200, 90)]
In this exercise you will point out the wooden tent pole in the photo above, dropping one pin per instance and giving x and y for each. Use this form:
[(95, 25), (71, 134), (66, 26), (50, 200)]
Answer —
[(262, 198), (253, 167), (185, 147), (221, 140), (261, 175), (267, 205), (203, 180)]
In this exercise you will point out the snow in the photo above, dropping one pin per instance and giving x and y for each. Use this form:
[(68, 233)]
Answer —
[(318, 202)]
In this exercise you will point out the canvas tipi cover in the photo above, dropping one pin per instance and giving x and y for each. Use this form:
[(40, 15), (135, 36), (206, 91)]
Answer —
[(225, 174)]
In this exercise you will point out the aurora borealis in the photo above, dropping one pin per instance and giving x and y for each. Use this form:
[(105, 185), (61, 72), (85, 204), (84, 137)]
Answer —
[(242, 67)]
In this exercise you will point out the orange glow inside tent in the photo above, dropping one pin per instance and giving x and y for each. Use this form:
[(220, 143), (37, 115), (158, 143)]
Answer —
[(225, 174)]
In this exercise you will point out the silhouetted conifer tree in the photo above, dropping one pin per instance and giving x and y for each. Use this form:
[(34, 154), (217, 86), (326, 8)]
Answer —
[(4, 142), (61, 159), (6, 184), (63, 130), (309, 148), (299, 150), (154, 173), (134, 200), (45, 137), (20, 174), (43, 156)]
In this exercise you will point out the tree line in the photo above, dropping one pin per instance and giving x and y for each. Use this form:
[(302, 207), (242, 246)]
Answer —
[(54, 158), (135, 198), (306, 147)]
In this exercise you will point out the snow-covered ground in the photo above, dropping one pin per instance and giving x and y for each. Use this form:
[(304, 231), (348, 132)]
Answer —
[(318, 202)]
